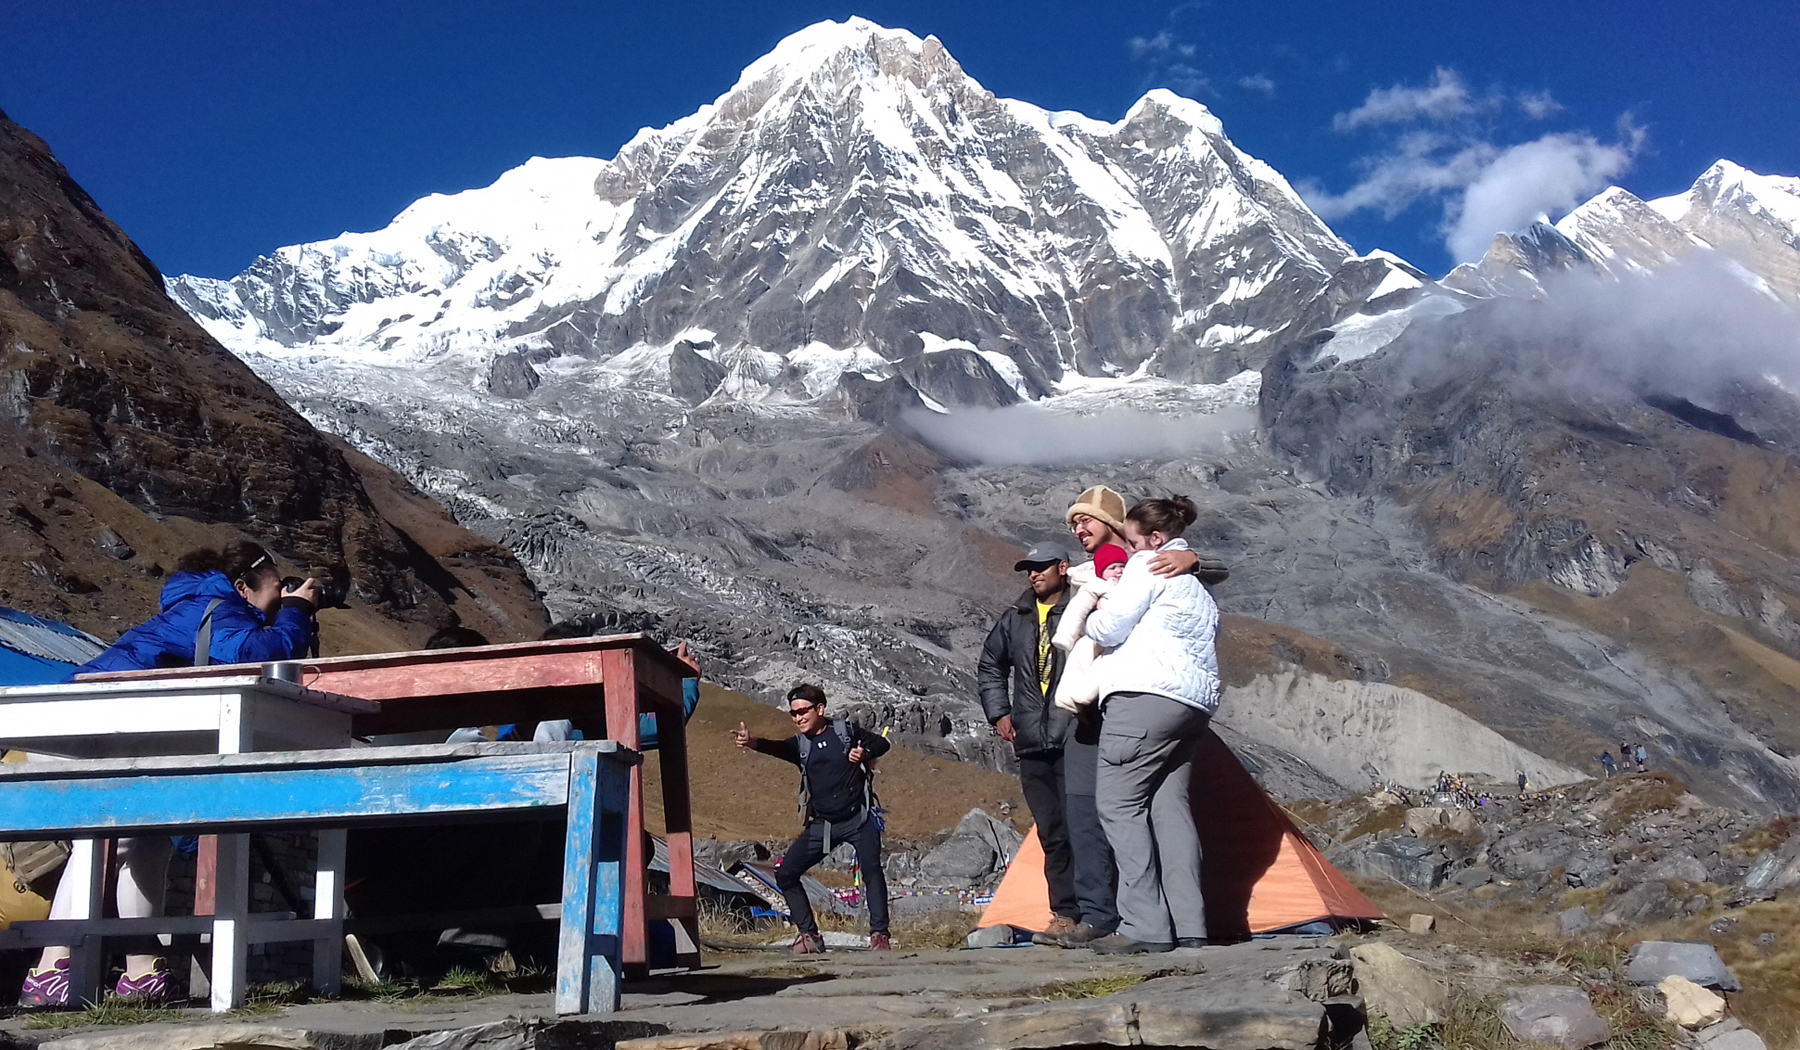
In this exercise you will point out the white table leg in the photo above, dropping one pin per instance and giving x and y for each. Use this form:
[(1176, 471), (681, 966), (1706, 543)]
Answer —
[(231, 918), (328, 903), (87, 960)]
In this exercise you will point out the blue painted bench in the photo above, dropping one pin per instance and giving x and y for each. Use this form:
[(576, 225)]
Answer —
[(232, 795)]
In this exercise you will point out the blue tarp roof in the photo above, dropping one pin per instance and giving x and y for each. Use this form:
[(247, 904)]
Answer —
[(36, 651)]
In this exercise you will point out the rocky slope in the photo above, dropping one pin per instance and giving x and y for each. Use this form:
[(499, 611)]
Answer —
[(131, 435), (798, 375)]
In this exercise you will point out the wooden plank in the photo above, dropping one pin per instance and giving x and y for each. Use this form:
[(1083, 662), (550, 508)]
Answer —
[(328, 907), (679, 828), (280, 798), (262, 928), (330, 758), (622, 725), (231, 916), (85, 867), (663, 906), (588, 966), (317, 669)]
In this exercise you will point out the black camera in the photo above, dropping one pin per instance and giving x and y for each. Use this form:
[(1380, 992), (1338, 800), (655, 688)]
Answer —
[(332, 590)]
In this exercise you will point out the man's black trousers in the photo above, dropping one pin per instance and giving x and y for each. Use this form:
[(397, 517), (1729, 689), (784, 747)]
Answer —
[(809, 849), (1041, 776)]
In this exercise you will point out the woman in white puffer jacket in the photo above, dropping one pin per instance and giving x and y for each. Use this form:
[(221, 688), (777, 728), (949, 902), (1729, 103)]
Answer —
[(1160, 688)]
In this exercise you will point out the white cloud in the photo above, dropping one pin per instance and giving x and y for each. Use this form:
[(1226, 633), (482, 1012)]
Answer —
[(1162, 45), (1034, 434), (1445, 98), (1419, 167), (1539, 104), (1258, 83), (1527, 181)]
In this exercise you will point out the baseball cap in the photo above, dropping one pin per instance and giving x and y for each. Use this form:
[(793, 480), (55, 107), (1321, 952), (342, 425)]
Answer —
[(1041, 554)]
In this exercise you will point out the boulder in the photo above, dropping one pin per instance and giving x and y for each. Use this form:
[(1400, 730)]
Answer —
[(1398, 988), (1698, 961), (1689, 1005), (1574, 920), (1403, 858), (1000, 936), (978, 847), (1420, 923), (1775, 869), (1455, 819), (1553, 1014), (1728, 1035)]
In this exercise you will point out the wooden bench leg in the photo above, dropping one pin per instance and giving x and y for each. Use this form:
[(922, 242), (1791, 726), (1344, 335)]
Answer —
[(589, 966), (328, 903), (231, 919), (87, 958)]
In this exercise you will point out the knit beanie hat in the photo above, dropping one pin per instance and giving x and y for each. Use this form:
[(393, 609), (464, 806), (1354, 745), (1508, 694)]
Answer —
[(1107, 556), (1102, 504)]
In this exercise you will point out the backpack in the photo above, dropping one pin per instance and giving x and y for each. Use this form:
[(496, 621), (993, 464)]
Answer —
[(871, 805)]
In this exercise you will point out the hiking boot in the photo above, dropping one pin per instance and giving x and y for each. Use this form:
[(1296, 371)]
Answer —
[(44, 989), (1060, 927), (1081, 936), (809, 944), (1119, 944), (880, 942), (152, 987)]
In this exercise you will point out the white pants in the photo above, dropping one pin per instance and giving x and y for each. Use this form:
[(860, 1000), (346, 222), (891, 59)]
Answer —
[(143, 874)]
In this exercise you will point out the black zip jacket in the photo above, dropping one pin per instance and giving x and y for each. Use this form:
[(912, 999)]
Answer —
[(1010, 653)]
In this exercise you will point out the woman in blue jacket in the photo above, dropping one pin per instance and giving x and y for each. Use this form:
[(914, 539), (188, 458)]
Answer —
[(221, 607)]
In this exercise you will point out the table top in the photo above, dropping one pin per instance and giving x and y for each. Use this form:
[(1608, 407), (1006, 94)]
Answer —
[(447, 688), (240, 683)]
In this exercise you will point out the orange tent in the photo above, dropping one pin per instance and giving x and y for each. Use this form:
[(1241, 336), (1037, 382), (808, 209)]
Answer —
[(1258, 873)]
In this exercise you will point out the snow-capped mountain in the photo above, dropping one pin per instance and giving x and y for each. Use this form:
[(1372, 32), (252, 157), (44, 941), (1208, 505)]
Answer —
[(669, 382), (1752, 220), (855, 199)]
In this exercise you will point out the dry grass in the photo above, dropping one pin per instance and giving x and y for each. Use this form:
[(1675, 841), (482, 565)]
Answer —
[(1089, 987), (739, 795), (1526, 932)]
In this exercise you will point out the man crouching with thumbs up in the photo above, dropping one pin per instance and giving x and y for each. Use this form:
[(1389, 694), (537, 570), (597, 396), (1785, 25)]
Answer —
[(837, 800)]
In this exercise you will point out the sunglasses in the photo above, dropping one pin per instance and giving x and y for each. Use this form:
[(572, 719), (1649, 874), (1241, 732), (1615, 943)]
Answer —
[(796, 712)]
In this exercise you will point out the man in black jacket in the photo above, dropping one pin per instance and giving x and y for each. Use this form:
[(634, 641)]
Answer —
[(1018, 673), (833, 756)]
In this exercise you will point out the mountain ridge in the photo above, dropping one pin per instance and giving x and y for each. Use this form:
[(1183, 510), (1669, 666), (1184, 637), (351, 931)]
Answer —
[(696, 405)]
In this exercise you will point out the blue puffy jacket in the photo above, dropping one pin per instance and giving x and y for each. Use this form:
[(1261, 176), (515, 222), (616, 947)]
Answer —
[(239, 633)]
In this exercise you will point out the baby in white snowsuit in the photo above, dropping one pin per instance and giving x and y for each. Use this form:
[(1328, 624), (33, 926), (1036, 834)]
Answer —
[(1080, 683)]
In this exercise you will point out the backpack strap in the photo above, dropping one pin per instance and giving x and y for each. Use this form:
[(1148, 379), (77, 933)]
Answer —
[(203, 637), (845, 733)]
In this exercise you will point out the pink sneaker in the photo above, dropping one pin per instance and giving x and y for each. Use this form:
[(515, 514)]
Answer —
[(46, 988), (153, 987)]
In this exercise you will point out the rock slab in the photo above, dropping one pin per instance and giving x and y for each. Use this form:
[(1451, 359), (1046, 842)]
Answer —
[(1729, 1035), (1689, 1005), (1553, 1014), (1398, 988), (1698, 961)]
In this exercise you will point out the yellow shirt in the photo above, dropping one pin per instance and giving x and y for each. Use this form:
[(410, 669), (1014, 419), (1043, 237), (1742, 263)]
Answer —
[(1044, 646)]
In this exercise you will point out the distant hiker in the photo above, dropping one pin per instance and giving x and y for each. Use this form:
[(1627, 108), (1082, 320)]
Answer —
[(1640, 758), (1522, 782), (1097, 519), (220, 607), (1160, 692), (836, 804), (1624, 755), (1606, 762), (1017, 676)]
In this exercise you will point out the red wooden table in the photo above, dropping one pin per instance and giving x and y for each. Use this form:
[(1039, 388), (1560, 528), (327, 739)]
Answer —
[(606, 680)]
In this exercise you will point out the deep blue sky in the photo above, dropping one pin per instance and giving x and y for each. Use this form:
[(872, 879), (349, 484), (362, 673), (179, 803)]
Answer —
[(214, 131)]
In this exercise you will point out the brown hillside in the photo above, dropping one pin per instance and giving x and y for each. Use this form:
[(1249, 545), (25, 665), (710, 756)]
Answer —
[(128, 435), (740, 795)]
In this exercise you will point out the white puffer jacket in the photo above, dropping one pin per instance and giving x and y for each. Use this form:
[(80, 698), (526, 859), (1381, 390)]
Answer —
[(1161, 635), (1081, 683)]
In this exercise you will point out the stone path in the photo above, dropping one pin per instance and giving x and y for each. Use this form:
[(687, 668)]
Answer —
[(1281, 994)]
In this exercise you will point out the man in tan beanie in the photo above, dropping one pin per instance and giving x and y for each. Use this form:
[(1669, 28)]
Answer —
[(1097, 517)]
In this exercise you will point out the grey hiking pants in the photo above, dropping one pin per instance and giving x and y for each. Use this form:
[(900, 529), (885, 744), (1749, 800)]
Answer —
[(1146, 759)]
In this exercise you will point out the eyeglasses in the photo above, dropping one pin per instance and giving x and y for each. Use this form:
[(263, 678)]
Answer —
[(796, 712)]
